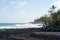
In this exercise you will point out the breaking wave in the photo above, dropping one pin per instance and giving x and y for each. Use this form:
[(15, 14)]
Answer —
[(18, 26)]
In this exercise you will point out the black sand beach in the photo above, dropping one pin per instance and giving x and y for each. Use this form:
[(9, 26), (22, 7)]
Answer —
[(28, 34)]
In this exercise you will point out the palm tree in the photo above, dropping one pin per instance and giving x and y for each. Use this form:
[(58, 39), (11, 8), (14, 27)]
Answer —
[(52, 9)]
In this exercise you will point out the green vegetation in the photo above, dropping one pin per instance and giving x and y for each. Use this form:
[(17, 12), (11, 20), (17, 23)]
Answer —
[(53, 19)]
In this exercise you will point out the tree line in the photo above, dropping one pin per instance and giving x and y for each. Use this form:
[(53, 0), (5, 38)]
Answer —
[(51, 20)]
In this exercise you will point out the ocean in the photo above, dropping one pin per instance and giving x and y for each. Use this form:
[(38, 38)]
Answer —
[(19, 25)]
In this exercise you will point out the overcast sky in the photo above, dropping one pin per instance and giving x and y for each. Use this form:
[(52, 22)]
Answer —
[(20, 11)]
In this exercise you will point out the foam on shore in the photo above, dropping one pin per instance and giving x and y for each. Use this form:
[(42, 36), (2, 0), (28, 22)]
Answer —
[(18, 26)]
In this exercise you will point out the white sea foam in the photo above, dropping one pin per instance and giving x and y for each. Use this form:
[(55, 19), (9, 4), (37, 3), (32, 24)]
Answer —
[(20, 26)]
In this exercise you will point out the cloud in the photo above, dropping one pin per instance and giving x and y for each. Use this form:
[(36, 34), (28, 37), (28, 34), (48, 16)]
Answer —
[(57, 4), (18, 3), (22, 4)]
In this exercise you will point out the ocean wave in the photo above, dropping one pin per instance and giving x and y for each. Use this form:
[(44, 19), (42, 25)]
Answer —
[(19, 26)]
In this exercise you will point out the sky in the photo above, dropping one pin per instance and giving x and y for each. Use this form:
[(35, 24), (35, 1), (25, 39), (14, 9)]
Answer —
[(23, 11)]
